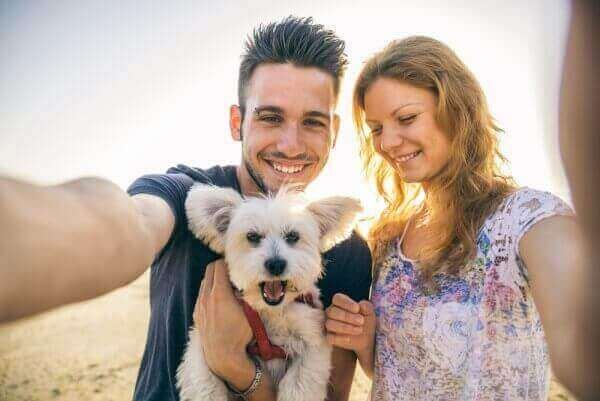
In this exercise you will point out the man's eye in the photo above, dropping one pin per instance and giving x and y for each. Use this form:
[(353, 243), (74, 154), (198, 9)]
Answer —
[(292, 237), (254, 238), (314, 123), (272, 119)]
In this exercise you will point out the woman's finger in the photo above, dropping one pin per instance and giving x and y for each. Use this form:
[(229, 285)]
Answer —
[(336, 313), (337, 327), (366, 308), (345, 302)]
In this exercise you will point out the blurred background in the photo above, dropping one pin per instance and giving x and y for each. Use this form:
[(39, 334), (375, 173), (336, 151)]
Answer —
[(122, 88)]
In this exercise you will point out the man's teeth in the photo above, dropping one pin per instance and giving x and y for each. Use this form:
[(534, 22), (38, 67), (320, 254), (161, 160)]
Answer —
[(409, 156), (286, 169)]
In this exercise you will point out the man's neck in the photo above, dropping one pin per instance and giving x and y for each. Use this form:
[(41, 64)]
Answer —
[(247, 184)]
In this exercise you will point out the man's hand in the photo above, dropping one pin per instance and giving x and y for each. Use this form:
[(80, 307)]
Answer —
[(224, 330), (351, 325)]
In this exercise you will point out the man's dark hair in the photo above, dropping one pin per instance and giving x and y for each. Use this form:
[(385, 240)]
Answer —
[(293, 40)]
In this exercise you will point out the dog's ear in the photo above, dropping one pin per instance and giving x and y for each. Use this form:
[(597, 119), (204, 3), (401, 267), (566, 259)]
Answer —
[(336, 217), (209, 211)]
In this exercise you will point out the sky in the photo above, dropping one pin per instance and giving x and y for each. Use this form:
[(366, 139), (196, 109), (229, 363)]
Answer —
[(122, 88)]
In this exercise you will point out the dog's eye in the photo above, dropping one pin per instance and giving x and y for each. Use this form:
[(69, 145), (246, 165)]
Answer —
[(253, 237), (292, 237)]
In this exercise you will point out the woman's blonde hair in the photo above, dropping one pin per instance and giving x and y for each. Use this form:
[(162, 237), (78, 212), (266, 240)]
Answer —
[(469, 188)]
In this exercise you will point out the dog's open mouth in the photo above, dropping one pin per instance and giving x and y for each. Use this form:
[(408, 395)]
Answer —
[(273, 291)]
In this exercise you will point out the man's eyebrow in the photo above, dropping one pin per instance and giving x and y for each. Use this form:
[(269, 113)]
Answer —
[(317, 113), (272, 109)]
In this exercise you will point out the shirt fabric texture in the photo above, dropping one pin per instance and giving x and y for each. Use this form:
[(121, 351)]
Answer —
[(479, 336)]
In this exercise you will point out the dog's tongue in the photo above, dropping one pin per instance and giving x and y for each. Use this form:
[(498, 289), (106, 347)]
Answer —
[(273, 289)]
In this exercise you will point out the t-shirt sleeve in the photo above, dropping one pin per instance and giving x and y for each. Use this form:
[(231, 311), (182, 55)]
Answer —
[(171, 187), (348, 271), (532, 206)]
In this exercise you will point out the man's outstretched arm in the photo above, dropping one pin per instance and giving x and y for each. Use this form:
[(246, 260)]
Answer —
[(73, 241)]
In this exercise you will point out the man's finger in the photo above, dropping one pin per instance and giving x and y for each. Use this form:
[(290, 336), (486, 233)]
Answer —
[(209, 276), (221, 275), (197, 314), (345, 302)]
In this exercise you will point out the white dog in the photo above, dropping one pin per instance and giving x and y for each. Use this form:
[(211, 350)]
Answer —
[(273, 248)]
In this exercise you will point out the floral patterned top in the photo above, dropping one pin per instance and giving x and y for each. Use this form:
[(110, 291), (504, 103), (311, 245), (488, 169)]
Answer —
[(479, 337)]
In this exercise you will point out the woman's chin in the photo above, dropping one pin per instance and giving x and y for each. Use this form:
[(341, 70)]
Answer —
[(411, 177)]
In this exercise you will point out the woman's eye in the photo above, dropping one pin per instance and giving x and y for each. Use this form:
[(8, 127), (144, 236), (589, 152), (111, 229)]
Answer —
[(253, 237), (292, 237), (376, 131), (407, 119)]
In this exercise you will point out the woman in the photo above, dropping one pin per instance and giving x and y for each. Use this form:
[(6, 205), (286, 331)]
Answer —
[(468, 267)]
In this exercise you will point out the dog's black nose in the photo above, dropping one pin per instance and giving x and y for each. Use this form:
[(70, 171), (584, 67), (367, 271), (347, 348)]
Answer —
[(275, 266)]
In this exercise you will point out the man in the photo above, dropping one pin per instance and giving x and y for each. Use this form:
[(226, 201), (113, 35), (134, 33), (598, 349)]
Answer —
[(288, 86)]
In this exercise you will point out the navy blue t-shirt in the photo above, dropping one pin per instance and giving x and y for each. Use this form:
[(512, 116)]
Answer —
[(178, 269)]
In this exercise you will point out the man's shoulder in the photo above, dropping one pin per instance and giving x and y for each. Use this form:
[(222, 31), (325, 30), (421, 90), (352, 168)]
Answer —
[(355, 245), (347, 270), (173, 186), (215, 175), (180, 178)]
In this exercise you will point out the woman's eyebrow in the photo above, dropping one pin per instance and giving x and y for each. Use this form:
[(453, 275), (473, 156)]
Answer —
[(395, 111), (403, 106)]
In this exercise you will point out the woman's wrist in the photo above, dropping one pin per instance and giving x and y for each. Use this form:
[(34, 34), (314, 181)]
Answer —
[(366, 359)]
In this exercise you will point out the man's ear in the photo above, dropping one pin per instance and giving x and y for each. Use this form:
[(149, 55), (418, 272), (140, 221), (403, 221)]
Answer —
[(209, 210), (336, 129), (336, 217), (235, 122)]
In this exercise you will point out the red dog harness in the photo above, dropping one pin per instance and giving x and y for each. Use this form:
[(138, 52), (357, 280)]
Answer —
[(263, 346)]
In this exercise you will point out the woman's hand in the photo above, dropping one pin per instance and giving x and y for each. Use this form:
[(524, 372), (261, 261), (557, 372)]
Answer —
[(351, 325)]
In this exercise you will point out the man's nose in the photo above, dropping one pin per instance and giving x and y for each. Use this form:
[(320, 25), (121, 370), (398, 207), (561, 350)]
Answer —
[(290, 142)]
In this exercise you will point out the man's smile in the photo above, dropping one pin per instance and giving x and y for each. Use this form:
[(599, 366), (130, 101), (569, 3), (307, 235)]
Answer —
[(287, 168)]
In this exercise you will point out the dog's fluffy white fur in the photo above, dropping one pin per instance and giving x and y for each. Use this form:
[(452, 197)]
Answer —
[(222, 219)]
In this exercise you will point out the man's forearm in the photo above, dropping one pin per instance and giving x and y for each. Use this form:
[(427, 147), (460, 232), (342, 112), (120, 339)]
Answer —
[(66, 243)]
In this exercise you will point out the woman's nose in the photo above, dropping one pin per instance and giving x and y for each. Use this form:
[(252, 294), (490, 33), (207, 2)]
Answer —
[(390, 139)]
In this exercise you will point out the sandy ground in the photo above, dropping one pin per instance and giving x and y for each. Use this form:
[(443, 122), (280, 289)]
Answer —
[(91, 351)]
